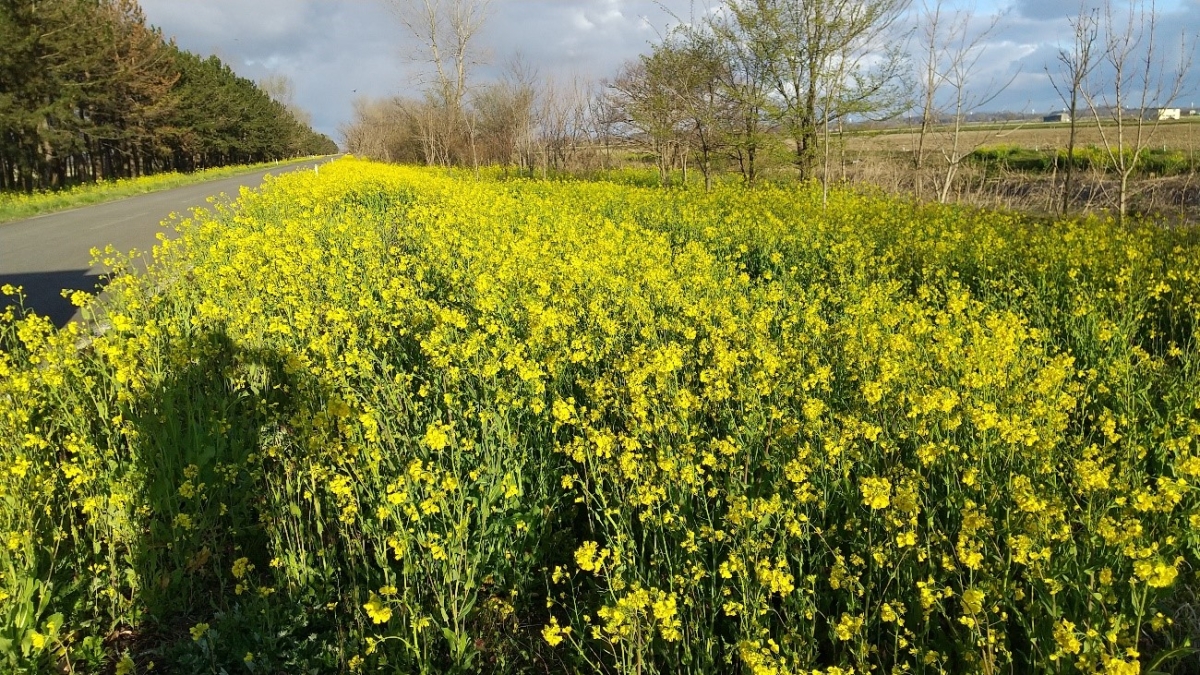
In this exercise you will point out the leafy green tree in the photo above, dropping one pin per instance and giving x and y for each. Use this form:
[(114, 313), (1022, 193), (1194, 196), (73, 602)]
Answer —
[(820, 59)]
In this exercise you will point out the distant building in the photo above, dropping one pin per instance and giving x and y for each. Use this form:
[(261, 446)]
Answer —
[(1168, 114), (1062, 116)]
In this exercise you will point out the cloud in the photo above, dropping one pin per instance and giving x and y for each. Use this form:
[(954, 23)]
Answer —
[(1050, 10), (588, 37), (332, 51)]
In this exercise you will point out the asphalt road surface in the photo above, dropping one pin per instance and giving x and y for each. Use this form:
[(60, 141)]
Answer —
[(51, 252)]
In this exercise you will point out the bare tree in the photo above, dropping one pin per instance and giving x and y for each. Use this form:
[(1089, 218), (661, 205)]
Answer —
[(931, 28), (506, 115), (280, 87), (1075, 64), (525, 78), (651, 109), (386, 129), (563, 108), (604, 118), (952, 49), (1139, 83), (445, 31)]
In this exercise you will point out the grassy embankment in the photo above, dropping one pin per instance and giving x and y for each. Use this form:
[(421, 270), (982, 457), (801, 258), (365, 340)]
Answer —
[(17, 205), (392, 419)]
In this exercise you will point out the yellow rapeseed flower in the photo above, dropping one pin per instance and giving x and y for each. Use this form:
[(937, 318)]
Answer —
[(377, 610)]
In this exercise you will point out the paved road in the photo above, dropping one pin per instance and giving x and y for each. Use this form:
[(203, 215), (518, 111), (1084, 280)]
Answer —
[(48, 253)]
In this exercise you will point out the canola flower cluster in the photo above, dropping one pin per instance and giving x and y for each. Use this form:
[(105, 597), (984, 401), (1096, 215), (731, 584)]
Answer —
[(405, 420)]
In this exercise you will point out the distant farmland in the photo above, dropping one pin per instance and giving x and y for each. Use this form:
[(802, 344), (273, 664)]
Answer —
[(1177, 135)]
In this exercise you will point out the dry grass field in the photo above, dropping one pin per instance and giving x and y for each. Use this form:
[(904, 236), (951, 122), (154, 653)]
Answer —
[(1177, 135), (1019, 172)]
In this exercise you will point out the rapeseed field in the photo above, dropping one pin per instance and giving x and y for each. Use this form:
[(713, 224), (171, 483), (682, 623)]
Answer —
[(389, 419)]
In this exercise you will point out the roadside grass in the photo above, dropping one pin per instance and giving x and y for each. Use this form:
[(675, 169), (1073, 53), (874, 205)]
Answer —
[(18, 205)]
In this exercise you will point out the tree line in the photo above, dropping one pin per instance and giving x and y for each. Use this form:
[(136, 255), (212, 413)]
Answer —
[(89, 91), (521, 120), (753, 80), (724, 86)]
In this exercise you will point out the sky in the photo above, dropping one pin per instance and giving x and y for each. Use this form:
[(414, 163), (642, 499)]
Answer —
[(336, 50)]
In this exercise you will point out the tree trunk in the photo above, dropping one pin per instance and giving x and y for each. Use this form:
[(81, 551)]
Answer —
[(1069, 177), (1123, 197), (808, 137), (951, 169)]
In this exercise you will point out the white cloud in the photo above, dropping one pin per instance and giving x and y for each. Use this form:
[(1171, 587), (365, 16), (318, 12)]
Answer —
[(332, 51)]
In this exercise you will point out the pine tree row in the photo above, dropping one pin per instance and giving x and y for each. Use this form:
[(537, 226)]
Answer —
[(89, 91)]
